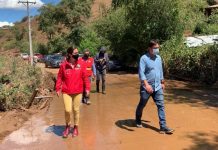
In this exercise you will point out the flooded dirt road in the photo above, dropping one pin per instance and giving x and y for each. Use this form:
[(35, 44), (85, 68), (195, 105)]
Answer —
[(108, 123)]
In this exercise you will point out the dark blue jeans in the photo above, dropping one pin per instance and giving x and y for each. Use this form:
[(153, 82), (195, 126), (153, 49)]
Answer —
[(159, 101)]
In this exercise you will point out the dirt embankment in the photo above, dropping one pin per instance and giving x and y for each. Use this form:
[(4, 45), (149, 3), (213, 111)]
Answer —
[(13, 120)]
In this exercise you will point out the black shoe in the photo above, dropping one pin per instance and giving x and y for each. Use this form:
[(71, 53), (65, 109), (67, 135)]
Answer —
[(83, 100), (166, 130), (138, 124)]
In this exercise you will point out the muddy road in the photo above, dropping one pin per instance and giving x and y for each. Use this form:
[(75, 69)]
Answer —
[(108, 123)]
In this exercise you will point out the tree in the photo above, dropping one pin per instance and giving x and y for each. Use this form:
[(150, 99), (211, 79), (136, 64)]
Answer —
[(47, 20), (65, 20), (133, 24), (73, 14), (90, 40)]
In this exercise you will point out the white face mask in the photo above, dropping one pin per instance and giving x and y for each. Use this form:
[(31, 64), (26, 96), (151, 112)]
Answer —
[(156, 51)]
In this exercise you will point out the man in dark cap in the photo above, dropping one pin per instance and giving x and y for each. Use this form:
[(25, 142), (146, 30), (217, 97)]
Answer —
[(101, 62)]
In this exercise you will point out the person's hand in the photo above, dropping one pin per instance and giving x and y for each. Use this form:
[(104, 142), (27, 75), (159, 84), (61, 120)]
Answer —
[(58, 93), (93, 77), (149, 89), (87, 93), (163, 86)]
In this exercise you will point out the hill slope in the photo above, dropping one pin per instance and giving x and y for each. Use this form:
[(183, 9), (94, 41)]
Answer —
[(38, 36)]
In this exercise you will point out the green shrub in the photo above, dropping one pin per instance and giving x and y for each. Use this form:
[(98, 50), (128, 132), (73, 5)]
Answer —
[(199, 64), (23, 46), (42, 49), (211, 2), (201, 28), (9, 44)]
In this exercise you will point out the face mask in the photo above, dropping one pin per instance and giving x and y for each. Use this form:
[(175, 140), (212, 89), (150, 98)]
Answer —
[(156, 51), (86, 55), (75, 56)]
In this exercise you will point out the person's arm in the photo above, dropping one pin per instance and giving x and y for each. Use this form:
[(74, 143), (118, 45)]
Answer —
[(93, 69), (59, 80), (162, 76), (142, 77), (85, 79), (96, 59), (107, 59)]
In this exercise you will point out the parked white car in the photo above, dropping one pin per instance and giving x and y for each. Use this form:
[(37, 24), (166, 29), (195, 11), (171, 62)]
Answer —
[(25, 56)]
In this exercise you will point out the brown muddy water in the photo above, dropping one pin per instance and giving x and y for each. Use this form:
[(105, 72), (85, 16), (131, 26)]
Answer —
[(108, 123)]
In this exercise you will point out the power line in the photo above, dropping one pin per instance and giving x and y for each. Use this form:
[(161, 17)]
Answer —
[(27, 4)]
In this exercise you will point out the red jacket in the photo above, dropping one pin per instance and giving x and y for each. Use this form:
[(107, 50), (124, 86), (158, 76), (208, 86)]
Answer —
[(89, 62), (71, 78)]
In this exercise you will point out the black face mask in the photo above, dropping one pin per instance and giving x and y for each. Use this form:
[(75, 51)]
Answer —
[(75, 56), (86, 55)]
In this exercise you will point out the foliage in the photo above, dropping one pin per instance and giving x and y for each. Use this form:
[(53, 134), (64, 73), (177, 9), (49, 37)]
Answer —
[(9, 44), (119, 3), (47, 20), (90, 40), (209, 26), (42, 49), (199, 64), (66, 19), (57, 44), (211, 2), (23, 46), (192, 13), (213, 18), (18, 33), (133, 24), (17, 82), (1, 33)]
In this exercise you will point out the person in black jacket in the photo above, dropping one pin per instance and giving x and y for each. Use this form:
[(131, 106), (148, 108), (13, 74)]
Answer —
[(101, 62)]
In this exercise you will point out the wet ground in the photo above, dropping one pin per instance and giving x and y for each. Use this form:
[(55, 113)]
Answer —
[(108, 123)]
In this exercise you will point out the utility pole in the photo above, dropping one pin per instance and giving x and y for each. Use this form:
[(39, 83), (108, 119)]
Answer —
[(27, 4)]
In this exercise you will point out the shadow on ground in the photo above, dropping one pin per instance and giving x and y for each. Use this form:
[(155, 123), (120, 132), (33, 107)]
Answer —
[(56, 129), (201, 141), (191, 93), (195, 98), (129, 125)]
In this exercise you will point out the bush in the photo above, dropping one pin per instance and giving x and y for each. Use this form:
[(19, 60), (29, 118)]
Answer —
[(198, 64), (42, 49), (210, 26), (201, 28), (23, 46), (17, 82), (1, 33), (209, 65), (9, 45), (211, 2)]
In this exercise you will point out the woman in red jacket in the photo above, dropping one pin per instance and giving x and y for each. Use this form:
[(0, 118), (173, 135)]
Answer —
[(70, 81)]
